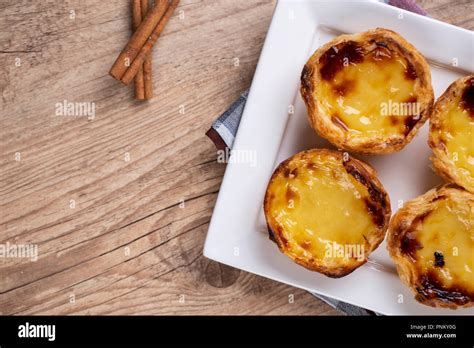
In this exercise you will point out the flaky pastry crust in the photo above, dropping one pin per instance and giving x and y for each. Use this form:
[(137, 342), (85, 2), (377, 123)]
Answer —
[(403, 243), (330, 127), (375, 198), (442, 163)]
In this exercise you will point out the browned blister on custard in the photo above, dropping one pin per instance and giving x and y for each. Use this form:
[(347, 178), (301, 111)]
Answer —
[(326, 212), (451, 134), (431, 240), (367, 92)]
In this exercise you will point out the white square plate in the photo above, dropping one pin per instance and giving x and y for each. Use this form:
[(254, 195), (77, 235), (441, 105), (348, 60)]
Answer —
[(237, 234)]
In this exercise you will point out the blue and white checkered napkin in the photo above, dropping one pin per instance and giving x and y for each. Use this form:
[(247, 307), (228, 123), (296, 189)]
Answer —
[(224, 129)]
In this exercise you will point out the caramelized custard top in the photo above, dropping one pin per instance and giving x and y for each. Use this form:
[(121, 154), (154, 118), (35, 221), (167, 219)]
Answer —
[(318, 201), (368, 89), (467, 98), (455, 133), (441, 245)]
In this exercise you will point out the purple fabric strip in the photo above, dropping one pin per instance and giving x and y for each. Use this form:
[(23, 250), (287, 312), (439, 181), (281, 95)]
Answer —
[(409, 5)]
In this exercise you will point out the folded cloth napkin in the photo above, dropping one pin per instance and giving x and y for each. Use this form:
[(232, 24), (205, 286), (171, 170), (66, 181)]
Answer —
[(224, 129)]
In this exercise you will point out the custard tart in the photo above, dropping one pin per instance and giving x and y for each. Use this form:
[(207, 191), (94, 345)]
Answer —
[(326, 211), (452, 133), (368, 92), (431, 240)]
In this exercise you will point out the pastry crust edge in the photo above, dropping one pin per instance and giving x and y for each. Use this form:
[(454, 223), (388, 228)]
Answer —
[(441, 164), (399, 225), (375, 239), (322, 123)]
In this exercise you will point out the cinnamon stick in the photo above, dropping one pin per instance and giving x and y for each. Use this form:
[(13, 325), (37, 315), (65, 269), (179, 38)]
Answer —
[(140, 56), (148, 84), (137, 9), (138, 39)]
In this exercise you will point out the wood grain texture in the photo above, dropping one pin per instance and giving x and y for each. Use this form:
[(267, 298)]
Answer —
[(458, 12), (119, 204)]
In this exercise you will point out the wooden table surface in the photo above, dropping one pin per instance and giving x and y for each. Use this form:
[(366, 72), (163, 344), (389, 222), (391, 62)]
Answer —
[(119, 204)]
